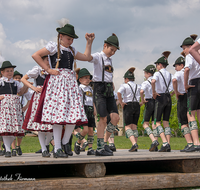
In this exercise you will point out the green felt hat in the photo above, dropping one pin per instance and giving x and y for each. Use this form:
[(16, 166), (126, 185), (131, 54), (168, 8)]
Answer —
[(180, 60), (68, 29), (113, 40), (150, 69), (84, 72), (189, 40), (129, 74), (163, 60), (17, 73), (7, 64)]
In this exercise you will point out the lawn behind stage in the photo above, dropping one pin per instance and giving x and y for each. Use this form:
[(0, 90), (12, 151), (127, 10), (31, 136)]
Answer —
[(31, 144)]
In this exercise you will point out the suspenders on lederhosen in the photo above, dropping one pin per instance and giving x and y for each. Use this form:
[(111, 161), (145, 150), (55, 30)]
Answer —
[(134, 93), (22, 106), (167, 86), (107, 86), (89, 110), (166, 92)]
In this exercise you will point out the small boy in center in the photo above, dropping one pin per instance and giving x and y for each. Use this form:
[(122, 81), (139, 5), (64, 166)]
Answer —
[(131, 106), (84, 78), (103, 93), (181, 96), (161, 88), (149, 107)]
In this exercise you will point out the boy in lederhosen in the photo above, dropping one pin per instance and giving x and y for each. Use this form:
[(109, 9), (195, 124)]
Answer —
[(192, 86), (103, 96), (84, 78), (131, 106), (181, 96), (149, 107), (161, 88)]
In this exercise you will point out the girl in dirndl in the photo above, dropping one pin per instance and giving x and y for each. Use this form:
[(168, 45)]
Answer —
[(10, 107), (60, 103), (44, 130)]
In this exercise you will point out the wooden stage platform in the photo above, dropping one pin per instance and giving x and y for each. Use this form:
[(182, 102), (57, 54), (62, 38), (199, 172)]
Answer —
[(124, 170)]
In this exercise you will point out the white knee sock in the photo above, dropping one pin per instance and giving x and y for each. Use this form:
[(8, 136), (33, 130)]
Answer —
[(48, 138), (68, 131), (57, 132), (7, 140), (41, 136)]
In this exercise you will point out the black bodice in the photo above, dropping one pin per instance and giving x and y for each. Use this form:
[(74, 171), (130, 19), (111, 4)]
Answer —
[(8, 88), (40, 81), (66, 60)]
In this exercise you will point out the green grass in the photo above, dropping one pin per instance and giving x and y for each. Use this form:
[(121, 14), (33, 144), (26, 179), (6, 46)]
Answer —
[(31, 144)]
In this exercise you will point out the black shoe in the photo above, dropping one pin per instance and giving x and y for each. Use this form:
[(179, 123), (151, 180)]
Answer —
[(67, 149), (46, 154), (76, 148), (133, 148), (103, 152), (82, 149), (106, 147), (153, 146), (8, 154), (193, 149), (60, 154), (39, 151), (19, 151), (91, 152), (156, 149), (166, 148), (2, 152), (112, 147), (14, 152)]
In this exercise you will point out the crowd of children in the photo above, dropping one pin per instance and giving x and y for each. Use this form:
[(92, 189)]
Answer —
[(65, 98)]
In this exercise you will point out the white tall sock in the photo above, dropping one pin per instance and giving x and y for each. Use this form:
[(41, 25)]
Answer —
[(48, 138), (57, 132), (68, 131), (41, 136), (7, 140)]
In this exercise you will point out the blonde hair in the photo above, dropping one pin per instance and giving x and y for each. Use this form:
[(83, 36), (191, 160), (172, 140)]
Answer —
[(58, 54)]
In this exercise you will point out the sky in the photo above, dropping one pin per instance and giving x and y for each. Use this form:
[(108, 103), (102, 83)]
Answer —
[(145, 29)]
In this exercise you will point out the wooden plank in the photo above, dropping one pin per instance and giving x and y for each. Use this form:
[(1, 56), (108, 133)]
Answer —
[(119, 156), (137, 181)]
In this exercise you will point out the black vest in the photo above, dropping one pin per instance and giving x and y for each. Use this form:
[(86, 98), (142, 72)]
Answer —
[(66, 60), (8, 88), (40, 81)]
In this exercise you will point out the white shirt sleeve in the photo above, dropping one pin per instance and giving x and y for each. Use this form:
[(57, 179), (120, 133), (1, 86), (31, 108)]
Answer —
[(121, 89), (156, 76), (34, 72), (95, 58), (19, 86), (143, 86), (188, 61), (51, 47)]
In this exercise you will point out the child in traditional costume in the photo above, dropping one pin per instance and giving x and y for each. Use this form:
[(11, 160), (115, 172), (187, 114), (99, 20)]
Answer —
[(103, 93), (61, 99), (149, 102), (44, 130), (161, 88), (17, 149), (181, 96), (10, 107), (84, 78), (191, 83), (131, 106)]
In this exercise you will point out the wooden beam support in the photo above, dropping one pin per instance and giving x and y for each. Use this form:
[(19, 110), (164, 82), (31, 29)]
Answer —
[(133, 181), (91, 170)]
